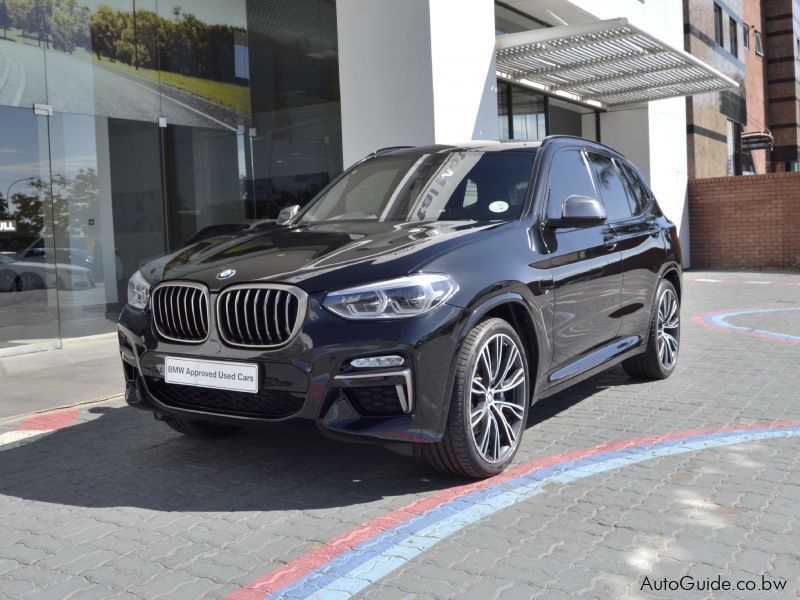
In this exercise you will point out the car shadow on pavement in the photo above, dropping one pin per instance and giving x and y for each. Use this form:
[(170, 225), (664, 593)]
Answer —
[(124, 458), (558, 403)]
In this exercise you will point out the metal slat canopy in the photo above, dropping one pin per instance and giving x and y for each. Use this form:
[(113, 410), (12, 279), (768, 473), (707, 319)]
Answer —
[(607, 63)]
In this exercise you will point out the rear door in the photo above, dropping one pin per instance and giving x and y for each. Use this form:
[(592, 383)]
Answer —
[(643, 254), (586, 270)]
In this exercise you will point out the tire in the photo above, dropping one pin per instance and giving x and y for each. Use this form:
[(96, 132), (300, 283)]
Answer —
[(663, 343), (8, 281), (201, 429), (30, 281), (484, 428)]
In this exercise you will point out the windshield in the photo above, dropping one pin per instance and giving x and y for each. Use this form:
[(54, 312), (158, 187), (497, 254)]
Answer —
[(444, 186)]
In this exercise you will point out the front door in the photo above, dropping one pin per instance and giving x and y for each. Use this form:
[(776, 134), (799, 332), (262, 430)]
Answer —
[(586, 267)]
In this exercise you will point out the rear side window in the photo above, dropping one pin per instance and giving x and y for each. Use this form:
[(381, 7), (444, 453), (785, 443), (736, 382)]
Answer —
[(569, 176), (640, 198), (612, 187)]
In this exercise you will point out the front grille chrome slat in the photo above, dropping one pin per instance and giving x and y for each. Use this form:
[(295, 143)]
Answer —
[(180, 311), (264, 315)]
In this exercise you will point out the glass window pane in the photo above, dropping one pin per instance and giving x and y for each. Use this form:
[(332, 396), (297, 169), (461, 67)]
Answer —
[(204, 187), (29, 275), (294, 70), (204, 62), (22, 54), (508, 20), (528, 114), (134, 156), (101, 58), (502, 112), (612, 189), (569, 176)]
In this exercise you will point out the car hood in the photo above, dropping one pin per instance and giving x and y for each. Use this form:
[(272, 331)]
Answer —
[(315, 257)]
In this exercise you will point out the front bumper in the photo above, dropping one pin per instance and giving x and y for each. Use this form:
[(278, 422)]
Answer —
[(311, 378)]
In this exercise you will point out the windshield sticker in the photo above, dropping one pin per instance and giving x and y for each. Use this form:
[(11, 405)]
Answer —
[(498, 206)]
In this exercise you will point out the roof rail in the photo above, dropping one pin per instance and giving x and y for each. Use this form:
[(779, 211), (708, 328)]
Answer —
[(380, 151), (563, 136)]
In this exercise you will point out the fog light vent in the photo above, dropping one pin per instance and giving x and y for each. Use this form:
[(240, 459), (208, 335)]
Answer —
[(376, 362)]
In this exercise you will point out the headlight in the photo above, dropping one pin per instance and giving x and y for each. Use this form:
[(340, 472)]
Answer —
[(396, 299), (138, 291)]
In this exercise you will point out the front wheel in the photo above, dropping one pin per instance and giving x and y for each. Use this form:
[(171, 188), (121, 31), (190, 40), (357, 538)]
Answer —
[(201, 429), (489, 404), (659, 359), (8, 281)]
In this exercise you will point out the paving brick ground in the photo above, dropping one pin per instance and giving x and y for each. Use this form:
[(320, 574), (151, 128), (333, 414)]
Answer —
[(114, 504)]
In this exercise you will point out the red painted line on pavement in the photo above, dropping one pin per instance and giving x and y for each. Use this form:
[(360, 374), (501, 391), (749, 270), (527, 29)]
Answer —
[(49, 421), (305, 564)]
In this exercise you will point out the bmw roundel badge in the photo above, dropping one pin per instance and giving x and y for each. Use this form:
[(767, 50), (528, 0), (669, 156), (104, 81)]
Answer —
[(226, 273)]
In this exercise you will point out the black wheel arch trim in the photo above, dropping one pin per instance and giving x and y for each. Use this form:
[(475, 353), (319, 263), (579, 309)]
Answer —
[(476, 312)]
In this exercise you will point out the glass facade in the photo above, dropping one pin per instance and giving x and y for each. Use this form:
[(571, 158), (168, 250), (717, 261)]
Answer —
[(524, 114), (128, 126)]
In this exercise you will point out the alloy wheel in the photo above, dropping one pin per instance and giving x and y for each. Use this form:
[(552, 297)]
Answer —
[(668, 328), (30, 281), (497, 398)]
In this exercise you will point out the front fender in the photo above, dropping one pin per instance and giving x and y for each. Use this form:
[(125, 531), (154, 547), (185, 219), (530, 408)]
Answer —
[(516, 297)]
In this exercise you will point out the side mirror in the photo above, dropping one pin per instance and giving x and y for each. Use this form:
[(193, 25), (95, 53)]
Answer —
[(287, 214), (581, 211)]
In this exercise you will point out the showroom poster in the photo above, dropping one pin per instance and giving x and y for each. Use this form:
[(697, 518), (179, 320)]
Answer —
[(134, 59)]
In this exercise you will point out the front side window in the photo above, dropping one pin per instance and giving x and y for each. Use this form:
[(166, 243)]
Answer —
[(569, 176), (612, 188), (442, 186)]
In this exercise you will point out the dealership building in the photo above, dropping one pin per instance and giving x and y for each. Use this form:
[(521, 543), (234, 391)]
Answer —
[(130, 127)]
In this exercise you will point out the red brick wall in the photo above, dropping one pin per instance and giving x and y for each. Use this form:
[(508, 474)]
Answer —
[(745, 222)]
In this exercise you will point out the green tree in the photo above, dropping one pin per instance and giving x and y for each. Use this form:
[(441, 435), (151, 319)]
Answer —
[(28, 16), (63, 30), (68, 25), (106, 26)]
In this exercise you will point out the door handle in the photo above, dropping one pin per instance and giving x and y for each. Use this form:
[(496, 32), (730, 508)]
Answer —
[(610, 240)]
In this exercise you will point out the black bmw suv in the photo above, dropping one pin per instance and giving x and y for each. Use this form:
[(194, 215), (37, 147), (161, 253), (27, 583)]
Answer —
[(424, 300)]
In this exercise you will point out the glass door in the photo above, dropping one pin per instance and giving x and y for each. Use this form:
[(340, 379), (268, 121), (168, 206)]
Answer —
[(29, 273)]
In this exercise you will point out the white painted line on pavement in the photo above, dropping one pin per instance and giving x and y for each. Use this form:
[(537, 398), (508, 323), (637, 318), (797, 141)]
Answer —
[(761, 282), (20, 84), (709, 280), (12, 438)]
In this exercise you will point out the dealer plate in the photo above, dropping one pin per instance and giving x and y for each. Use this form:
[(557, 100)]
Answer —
[(233, 376)]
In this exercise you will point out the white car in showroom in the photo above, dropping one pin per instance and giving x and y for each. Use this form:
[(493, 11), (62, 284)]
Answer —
[(23, 276)]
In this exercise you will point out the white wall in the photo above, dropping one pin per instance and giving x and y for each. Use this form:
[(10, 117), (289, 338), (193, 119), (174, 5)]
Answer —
[(464, 74), (415, 72)]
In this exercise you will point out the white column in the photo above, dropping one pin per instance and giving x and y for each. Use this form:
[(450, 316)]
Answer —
[(415, 72)]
